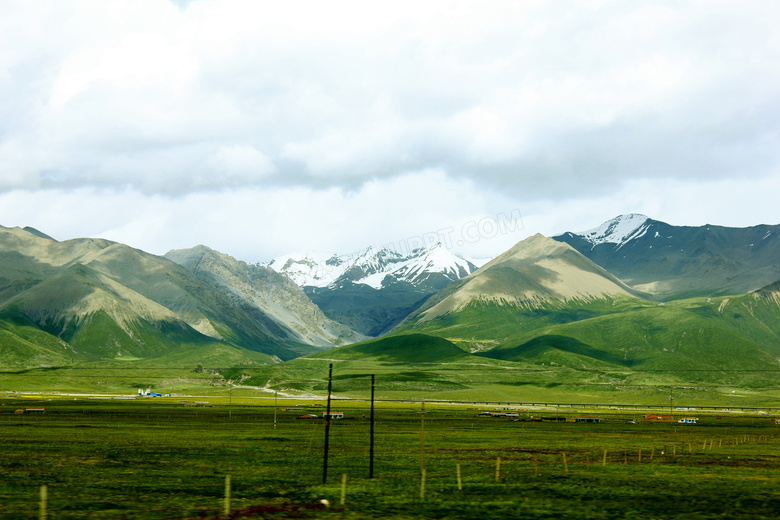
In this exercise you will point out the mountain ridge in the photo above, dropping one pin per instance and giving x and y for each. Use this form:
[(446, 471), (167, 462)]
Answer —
[(266, 289), (534, 272), (372, 290), (99, 299), (370, 266), (673, 262)]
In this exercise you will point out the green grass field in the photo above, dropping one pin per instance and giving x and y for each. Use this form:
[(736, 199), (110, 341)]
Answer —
[(156, 458)]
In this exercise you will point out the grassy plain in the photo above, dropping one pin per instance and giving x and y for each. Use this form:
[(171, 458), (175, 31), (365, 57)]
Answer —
[(156, 458)]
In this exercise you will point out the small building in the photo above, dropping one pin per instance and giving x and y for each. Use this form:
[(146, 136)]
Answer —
[(587, 419), (657, 418), (688, 420), (334, 415)]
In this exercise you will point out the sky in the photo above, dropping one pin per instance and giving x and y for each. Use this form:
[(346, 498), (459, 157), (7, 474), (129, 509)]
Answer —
[(265, 128)]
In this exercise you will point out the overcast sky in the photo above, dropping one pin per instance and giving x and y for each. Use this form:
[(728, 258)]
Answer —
[(263, 128)]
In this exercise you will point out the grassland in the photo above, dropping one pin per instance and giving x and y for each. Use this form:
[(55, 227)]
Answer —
[(155, 458), (449, 375)]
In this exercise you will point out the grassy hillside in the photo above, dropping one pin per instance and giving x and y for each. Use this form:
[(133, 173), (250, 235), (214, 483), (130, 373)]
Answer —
[(412, 348), (719, 341), (89, 299), (23, 343), (482, 325), (662, 339)]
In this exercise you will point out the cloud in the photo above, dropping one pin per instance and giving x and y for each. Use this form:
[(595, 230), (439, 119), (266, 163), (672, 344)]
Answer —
[(337, 108), (346, 92)]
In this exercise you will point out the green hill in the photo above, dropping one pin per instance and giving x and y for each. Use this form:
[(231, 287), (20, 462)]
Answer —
[(411, 348), (548, 306), (83, 300)]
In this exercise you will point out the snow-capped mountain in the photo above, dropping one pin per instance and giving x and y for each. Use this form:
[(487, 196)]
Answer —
[(372, 290), (374, 266), (309, 269), (674, 261), (618, 230), (422, 265)]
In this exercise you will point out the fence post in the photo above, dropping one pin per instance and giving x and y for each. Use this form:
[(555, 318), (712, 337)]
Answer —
[(422, 484), (44, 501), (227, 496)]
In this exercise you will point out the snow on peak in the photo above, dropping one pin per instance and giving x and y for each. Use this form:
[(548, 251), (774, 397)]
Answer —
[(317, 268), (618, 230), (371, 266)]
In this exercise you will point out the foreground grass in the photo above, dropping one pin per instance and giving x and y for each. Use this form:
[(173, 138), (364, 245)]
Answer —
[(156, 459)]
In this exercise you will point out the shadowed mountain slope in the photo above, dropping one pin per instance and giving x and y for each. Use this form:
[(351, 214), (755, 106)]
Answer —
[(674, 262)]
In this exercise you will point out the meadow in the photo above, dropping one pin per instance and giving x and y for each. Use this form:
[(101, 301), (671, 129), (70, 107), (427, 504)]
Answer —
[(154, 458)]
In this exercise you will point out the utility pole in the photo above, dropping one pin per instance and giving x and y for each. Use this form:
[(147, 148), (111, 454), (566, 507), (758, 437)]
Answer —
[(327, 427), (371, 444), (422, 437)]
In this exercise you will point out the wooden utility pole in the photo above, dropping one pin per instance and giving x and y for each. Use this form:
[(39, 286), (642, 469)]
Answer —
[(371, 443), (43, 502), (422, 438), (327, 427)]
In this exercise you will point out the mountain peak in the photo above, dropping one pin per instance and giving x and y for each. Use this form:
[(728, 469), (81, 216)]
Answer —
[(618, 230), (37, 233), (372, 266), (534, 246), (537, 271)]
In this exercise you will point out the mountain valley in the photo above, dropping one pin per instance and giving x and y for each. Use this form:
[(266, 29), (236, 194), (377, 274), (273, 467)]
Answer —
[(634, 305)]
